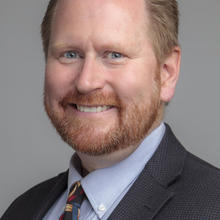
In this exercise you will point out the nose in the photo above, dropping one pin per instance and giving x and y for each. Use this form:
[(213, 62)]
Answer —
[(90, 76)]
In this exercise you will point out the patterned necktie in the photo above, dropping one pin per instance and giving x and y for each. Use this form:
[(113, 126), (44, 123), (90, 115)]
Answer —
[(74, 201)]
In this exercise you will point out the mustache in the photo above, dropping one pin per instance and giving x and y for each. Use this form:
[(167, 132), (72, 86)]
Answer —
[(95, 98)]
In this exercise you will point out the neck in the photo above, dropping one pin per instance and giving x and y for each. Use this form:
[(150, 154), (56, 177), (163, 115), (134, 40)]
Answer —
[(91, 163)]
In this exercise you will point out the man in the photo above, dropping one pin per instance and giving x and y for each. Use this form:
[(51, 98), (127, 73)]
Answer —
[(111, 67)]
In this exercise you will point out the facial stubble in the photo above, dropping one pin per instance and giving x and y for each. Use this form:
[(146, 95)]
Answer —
[(132, 123)]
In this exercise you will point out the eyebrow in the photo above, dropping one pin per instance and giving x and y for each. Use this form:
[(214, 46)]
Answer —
[(106, 45), (101, 46), (113, 46), (62, 46)]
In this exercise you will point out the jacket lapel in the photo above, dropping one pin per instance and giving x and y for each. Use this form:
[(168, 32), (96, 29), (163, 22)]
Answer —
[(150, 192), (55, 192)]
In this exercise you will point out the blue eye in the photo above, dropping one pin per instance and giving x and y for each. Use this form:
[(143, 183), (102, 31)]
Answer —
[(71, 55), (115, 55)]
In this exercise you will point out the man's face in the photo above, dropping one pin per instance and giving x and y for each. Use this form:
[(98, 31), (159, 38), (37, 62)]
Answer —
[(102, 80)]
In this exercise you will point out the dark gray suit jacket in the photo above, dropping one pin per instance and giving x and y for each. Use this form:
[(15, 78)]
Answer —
[(174, 185)]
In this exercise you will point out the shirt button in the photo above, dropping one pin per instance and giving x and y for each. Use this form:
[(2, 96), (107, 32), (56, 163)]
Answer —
[(101, 208)]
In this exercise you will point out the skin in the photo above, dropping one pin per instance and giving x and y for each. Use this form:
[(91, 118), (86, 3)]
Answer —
[(101, 48)]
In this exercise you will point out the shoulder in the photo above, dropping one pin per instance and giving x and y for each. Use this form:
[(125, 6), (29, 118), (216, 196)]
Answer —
[(201, 172), (198, 189), (42, 189), (33, 199), (195, 184)]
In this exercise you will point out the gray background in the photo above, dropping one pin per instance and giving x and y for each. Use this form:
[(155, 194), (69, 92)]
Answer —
[(31, 151)]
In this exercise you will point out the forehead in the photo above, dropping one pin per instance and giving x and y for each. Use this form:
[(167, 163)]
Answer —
[(133, 7), (114, 14)]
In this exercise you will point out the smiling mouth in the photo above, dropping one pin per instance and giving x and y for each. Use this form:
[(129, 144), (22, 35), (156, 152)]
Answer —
[(91, 109)]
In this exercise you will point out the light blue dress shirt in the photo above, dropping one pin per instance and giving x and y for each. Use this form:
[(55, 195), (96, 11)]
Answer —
[(106, 187)]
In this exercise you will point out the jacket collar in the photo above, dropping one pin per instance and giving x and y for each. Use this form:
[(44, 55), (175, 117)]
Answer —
[(150, 192)]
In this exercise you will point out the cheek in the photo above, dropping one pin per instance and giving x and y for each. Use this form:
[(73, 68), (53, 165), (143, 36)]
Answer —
[(134, 84), (57, 83)]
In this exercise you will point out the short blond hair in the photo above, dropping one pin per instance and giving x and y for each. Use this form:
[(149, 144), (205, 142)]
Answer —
[(164, 25)]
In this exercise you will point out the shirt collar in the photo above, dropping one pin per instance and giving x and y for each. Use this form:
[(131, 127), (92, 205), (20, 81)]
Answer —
[(104, 186)]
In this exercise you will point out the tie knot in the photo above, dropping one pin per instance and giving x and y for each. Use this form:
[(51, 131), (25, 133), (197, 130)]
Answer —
[(74, 201), (76, 194)]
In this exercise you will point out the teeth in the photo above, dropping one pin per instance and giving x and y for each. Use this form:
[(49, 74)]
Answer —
[(92, 109)]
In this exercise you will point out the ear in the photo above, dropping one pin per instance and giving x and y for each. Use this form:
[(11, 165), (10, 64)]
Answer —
[(170, 74)]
